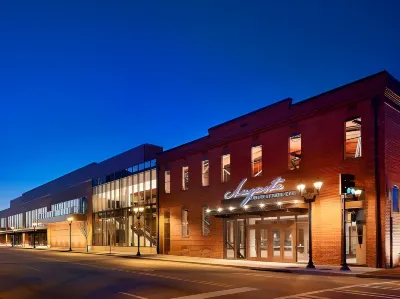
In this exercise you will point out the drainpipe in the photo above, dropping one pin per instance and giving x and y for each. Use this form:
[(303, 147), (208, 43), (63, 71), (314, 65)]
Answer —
[(375, 107)]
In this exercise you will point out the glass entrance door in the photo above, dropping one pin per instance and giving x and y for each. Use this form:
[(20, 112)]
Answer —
[(264, 243), (272, 243)]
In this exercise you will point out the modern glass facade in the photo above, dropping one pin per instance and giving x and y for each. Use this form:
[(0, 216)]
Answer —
[(114, 196)]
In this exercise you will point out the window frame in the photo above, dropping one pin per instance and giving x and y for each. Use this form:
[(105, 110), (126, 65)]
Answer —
[(290, 153), (395, 192), (204, 215), (185, 232), (253, 162), (223, 180), (345, 157), (185, 179), (203, 173), (167, 183)]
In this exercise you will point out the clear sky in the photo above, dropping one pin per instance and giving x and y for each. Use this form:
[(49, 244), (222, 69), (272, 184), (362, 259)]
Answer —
[(81, 81)]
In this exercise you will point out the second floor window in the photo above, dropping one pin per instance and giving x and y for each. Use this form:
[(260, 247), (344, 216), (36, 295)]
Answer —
[(205, 172), (294, 151), (256, 160), (167, 181), (225, 168), (185, 177), (353, 138)]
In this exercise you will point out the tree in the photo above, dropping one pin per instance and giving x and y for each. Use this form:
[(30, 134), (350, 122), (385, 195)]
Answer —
[(83, 226)]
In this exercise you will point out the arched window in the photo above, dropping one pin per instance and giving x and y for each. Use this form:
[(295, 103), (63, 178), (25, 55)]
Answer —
[(395, 198)]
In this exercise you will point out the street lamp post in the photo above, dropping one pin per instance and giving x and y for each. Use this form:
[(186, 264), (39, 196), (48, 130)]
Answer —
[(34, 224), (138, 211), (309, 197), (70, 232), (354, 194), (13, 236)]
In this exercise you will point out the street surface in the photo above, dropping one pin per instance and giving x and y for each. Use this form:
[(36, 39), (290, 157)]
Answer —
[(46, 274)]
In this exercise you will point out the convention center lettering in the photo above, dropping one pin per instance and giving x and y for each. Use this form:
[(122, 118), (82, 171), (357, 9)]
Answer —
[(259, 192)]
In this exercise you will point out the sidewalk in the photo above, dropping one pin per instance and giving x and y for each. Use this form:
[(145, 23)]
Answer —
[(361, 272), (264, 266)]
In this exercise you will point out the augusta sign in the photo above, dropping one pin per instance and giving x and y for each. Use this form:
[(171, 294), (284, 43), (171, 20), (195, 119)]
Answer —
[(259, 192)]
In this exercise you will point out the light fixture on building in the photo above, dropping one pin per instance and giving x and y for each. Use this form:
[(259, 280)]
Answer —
[(279, 203), (262, 205), (245, 207), (231, 208), (208, 211), (318, 186), (219, 209), (295, 201)]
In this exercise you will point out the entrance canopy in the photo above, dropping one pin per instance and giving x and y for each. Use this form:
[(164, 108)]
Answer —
[(259, 199)]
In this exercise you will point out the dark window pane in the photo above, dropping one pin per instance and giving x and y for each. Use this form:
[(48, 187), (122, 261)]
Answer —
[(395, 200), (153, 163)]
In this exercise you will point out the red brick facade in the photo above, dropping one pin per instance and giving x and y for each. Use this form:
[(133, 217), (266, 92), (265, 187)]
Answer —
[(320, 120), (392, 169)]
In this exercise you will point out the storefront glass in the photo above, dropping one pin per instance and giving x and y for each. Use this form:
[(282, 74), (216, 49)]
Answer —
[(355, 240), (114, 221), (278, 239)]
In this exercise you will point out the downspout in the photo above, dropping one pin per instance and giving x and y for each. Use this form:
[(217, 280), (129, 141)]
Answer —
[(375, 107)]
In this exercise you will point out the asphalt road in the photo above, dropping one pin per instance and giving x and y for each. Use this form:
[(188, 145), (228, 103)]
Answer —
[(56, 275)]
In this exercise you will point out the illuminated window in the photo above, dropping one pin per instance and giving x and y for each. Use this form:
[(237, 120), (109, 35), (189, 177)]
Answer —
[(256, 160), (225, 168), (185, 224), (205, 172), (294, 151), (353, 138), (167, 181), (185, 177), (205, 228)]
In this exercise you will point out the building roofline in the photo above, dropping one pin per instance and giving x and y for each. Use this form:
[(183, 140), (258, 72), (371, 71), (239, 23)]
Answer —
[(290, 102), (74, 171), (181, 145)]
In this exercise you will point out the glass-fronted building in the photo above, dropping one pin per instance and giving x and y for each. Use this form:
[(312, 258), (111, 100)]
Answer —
[(114, 197), (97, 200)]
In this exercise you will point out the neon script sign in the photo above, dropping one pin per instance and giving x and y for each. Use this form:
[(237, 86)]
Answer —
[(258, 192)]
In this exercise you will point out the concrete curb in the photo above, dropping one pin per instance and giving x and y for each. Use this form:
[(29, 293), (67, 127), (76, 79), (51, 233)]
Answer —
[(277, 270)]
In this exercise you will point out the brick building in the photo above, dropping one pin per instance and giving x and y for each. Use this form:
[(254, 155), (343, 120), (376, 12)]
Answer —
[(233, 193)]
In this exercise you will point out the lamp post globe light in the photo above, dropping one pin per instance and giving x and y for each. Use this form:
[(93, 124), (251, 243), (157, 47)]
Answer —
[(70, 219), (309, 197), (139, 212), (34, 224), (12, 240)]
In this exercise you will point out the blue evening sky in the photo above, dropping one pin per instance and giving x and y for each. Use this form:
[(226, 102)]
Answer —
[(81, 81)]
